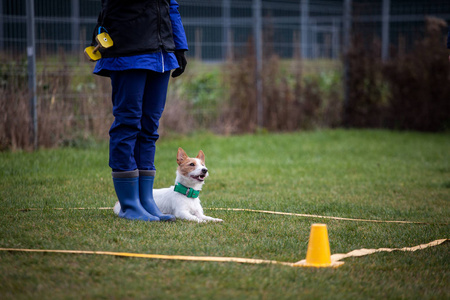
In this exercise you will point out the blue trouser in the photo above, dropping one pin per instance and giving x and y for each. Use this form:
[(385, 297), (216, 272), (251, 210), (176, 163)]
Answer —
[(138, 98)]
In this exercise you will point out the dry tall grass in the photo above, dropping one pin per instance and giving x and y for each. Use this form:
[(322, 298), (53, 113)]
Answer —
[(71, 107), (409, 92)]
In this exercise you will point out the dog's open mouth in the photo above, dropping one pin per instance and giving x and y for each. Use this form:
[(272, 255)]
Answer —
[(199, 177)]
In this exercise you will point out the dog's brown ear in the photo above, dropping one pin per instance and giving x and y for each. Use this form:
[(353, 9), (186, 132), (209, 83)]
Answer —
[(201, 156), (181, 156)]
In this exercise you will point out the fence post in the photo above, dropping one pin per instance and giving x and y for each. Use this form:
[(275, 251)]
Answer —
[(257, 32), (347, 36), (75, 25), (2, 36), (335, 42), (304, 22), (385, 30), (226, 31), (198, 43), (31, 57)]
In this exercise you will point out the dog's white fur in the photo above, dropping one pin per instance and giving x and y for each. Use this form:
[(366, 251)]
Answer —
[(191, 173)]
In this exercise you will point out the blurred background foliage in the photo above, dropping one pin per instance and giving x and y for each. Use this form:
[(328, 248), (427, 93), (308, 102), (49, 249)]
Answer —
[(301, 89)]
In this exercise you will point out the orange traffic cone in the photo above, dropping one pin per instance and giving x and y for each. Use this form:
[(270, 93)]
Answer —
[(318, 253)]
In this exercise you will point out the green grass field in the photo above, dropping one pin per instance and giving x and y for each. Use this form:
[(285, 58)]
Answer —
[(357, 174)]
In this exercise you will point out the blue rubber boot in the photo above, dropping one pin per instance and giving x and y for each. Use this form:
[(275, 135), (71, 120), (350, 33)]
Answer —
[(126, 185), (146, 179)]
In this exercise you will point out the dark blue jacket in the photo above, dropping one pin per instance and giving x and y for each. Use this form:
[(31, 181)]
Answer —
[(141, 26)]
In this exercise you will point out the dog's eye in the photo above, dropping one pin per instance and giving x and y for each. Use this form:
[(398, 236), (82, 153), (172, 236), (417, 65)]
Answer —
[(192, 164)]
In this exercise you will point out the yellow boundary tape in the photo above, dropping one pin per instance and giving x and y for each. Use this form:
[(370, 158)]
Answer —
[(262, 211), (335, 258), (315, 216), (363, 252), (156, 256)]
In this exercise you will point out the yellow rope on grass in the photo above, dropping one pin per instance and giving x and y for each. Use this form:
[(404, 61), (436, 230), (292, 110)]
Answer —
[(335, 258), (316, 216), (262, 211)]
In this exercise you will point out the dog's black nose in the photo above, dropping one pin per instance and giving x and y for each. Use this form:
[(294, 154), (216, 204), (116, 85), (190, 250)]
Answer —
[(204, 170)]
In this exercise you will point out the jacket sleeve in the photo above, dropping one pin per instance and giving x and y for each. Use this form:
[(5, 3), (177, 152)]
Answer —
[(179, 35)]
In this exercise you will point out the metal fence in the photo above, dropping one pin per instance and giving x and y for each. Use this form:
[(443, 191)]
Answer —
[(217, 30)]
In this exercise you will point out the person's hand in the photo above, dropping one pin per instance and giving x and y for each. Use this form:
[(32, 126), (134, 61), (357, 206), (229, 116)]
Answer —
[(182, 62)]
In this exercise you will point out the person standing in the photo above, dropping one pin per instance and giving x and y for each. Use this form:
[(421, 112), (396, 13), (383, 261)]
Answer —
[(149, 42)]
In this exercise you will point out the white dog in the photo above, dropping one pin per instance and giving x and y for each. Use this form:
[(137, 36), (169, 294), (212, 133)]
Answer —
[(182, 200)]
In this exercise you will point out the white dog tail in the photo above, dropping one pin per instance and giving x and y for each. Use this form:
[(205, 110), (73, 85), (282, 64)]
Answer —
[(117, 208)]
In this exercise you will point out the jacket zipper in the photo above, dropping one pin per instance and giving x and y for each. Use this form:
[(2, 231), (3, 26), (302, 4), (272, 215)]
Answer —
[(159, 35)]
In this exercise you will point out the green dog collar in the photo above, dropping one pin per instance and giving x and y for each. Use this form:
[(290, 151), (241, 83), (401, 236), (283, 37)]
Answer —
[(188, 192)]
